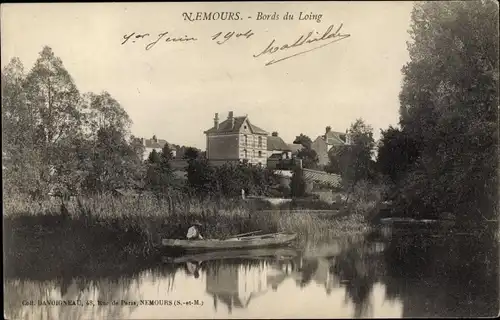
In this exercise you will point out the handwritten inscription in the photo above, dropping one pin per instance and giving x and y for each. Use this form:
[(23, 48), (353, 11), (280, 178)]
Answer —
[(161, 36), (229, 35), (301, 41), (308, 42)]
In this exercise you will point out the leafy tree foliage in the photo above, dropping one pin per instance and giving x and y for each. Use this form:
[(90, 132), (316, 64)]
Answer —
[(191, 153), (354, 161), (228, 179), (304, 140), (397, 152), (59, 141), (449, 110), (309, 156)]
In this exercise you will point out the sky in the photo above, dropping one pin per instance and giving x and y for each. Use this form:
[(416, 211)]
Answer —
[(174, 89)]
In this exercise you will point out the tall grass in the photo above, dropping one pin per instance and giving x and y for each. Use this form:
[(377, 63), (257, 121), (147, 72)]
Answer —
[(95, 229)]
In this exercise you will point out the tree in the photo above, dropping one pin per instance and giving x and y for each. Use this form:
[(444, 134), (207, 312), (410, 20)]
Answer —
[(309, 156), (22, 162), (298, 183), (54, 99), (397, 153), (449, 107), (54, 112), (103, 111), (200, 177), (159, 177), (191, 153), (304, 140), (114, 163), (354, 161)]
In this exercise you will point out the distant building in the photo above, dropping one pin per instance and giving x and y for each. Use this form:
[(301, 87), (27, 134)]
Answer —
[(324, 143), (278, 152), (236, 140), (154, 144)]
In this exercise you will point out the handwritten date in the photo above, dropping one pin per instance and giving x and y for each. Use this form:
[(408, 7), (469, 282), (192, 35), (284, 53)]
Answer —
[(161, 36), (230, 35)]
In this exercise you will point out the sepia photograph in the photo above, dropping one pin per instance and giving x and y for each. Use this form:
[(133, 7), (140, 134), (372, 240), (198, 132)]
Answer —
[(250, 160)]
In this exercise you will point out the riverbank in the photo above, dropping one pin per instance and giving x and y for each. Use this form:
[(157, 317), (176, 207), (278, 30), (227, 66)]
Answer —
[(81, 234)]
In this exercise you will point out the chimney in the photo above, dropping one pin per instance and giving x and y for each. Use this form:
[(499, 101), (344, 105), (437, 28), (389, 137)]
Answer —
[(216, 121), (328, 129), (274, 134), (230, 117), (154, 138)]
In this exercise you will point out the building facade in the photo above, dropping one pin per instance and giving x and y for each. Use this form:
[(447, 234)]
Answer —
[(323, 144), (154, 144), (236, 139)]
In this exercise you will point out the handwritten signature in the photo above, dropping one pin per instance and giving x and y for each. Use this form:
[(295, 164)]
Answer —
[(272, 48)]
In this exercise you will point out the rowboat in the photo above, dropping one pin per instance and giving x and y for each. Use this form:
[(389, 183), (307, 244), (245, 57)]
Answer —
[(243, 254), (243, 242)]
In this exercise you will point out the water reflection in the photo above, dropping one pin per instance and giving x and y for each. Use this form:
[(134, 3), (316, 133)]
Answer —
[(344, 278)]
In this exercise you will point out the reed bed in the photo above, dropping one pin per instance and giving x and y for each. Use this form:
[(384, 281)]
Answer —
[(81, 233)]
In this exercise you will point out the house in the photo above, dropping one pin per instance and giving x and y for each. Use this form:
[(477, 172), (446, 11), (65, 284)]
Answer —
[(324, 143), (321, 147), (154, 144), (236, 139), (279, 154)]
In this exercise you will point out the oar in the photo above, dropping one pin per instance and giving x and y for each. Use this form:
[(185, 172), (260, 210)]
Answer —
[(244, 234)]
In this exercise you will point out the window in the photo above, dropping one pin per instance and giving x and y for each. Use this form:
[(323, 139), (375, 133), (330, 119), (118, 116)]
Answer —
[(260, 154), (245, 154), (260, 142), (246, 140)]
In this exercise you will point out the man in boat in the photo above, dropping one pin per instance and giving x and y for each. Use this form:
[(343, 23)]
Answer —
[(194, 231)]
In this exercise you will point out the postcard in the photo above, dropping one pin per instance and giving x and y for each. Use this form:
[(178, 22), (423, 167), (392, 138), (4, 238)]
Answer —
[(220, 160)]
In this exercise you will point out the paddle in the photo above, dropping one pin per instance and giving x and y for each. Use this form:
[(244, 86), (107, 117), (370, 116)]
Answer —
[(244, 234)]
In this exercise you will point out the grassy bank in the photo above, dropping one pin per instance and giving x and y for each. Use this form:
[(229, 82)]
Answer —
[(84, 234)]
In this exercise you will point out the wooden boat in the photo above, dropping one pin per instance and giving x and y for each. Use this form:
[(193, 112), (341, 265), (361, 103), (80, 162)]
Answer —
[(244, 242), (246, 254)]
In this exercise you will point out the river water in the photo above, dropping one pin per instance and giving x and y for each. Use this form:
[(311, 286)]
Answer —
[(408, 276)]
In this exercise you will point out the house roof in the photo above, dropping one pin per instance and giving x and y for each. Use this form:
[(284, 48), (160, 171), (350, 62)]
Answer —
[(295, 147), (276, 156), (154, 143), (335, 138), (276, 143), (333, 180), (227, 127)]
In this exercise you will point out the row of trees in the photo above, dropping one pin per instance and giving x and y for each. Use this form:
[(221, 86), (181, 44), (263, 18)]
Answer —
[(204, 180), (56, 139)]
